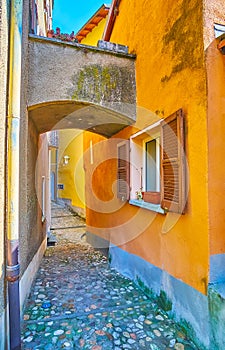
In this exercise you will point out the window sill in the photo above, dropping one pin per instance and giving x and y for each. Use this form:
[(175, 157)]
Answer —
[(149, 206)]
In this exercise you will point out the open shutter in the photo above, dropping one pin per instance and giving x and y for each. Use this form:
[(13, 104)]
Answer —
[(173, 163), (123, 170)]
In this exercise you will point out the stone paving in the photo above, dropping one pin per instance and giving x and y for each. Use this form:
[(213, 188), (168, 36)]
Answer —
[(78, 302)]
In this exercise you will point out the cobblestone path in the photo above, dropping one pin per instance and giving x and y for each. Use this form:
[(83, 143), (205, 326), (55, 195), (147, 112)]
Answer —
[(78, 302)]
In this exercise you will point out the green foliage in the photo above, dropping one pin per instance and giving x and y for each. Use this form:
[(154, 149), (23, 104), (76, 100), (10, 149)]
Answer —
[(186, 328), (164, 302), (149, 292)]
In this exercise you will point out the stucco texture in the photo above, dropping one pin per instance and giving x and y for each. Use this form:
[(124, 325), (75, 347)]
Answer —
[(215, 63), (37, 166), (3, 89), (71, 175), (78, 76), (170, 74)]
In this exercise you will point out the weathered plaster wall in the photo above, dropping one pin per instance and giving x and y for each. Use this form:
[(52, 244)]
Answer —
[(170, 74), (167, 38), (31, 230), (71, 175), (215, 63), (36, 167), (81, 73), (23, 204), (4, 13)]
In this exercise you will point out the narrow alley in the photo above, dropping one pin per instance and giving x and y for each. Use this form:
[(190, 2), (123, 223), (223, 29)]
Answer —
[(78, 302)]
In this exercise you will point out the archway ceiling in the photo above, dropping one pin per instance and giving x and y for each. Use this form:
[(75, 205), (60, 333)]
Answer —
[(68, 115)]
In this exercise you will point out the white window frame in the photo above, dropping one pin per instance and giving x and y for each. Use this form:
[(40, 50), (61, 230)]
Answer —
[(138, 164)]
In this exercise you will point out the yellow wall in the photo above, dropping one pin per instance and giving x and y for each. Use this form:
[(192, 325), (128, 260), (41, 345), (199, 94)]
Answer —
[(96, 34), (71, 174), (170, 74)]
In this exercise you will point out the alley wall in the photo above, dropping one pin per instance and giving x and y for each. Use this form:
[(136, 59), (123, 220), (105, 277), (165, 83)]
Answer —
[(166, 252), (4, 13)]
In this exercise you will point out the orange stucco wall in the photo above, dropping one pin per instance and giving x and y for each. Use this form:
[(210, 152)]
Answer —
[(216, 132), (168, 40), (215, 64)]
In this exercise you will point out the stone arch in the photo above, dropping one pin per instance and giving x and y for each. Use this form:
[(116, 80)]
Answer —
[(67, 114)]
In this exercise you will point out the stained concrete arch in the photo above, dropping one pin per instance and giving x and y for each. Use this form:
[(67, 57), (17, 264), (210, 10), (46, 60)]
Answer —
[(56, 115), (77, 86)]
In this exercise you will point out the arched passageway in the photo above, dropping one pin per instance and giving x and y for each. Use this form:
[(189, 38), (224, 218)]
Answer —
[(56, 115), (52, 116), (69, 86)]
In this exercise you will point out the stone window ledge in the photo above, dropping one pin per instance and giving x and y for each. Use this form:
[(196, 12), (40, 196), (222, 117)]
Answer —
[(149, 206)]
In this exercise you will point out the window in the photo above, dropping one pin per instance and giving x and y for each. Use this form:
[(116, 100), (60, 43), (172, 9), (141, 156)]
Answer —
[(157, 165), (145, 165), (151, 168)]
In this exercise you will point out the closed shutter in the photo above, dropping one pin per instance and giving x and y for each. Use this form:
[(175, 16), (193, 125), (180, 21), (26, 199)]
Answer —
[(173, 163), (123, 170)]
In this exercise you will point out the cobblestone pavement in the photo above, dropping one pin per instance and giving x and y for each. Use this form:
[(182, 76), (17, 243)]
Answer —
[(78, 302)]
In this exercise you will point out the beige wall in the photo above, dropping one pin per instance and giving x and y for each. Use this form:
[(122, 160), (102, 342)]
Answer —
[(31, 229)]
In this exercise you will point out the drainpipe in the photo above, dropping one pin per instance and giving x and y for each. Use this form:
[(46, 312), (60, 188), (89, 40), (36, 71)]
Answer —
[(13, 130), (113, 12)]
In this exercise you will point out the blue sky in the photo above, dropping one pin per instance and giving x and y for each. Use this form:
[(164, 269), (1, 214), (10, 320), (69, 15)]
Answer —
[(71, 15)]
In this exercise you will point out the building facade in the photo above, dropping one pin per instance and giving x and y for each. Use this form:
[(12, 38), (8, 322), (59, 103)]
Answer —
[(159, 209), (39, 95), (154, 178)]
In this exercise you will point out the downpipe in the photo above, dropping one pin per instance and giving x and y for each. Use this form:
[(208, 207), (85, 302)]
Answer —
[(12, 192)]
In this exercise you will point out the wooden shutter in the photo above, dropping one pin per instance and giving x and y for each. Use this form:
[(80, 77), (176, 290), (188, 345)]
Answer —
[(173, 194), (123, 170)]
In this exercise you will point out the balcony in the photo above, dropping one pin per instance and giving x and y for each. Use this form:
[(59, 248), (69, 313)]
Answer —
[(77, 86)]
